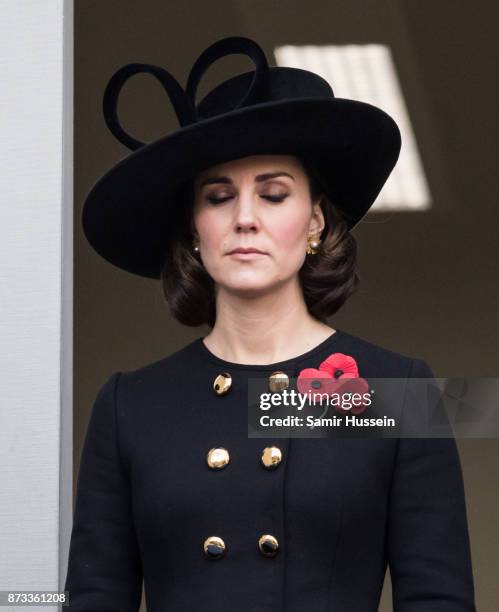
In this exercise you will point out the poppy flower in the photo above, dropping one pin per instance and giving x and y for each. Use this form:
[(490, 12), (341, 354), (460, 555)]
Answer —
[(338, 373), (359, 386), (340, 365), (311, 380)]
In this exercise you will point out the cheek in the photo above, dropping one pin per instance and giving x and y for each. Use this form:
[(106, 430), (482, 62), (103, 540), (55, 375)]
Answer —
[(289, 233), (210, 226)]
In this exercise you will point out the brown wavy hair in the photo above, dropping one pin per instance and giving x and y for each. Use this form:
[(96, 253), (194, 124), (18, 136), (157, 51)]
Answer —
[(327, 278)]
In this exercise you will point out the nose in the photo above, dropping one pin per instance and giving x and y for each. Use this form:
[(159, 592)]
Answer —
[(245, 215)]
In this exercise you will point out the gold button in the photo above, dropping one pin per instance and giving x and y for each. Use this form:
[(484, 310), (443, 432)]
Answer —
[(222, 383), (214, 547), (278, 381), (271, 457), (268, 545), (217, 458)]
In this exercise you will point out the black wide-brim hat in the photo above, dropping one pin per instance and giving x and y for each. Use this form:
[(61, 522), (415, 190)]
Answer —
[(129, 214)]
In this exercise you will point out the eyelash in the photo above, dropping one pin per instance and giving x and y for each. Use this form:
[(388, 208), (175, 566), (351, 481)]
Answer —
[(275, 199)]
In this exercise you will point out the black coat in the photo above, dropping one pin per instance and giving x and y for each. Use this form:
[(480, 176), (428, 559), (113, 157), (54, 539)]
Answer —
[(340, 509)]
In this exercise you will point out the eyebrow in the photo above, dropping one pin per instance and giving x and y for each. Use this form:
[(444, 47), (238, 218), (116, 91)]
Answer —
[(260, 178)]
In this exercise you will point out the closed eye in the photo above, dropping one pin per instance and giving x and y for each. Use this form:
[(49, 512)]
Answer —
[(275, 198), (215, 200), (270, 198)]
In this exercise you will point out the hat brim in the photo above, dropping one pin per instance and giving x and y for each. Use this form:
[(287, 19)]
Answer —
[(353, 145)]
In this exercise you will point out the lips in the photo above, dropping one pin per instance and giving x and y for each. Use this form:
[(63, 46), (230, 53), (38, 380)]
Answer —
[(246, 250)]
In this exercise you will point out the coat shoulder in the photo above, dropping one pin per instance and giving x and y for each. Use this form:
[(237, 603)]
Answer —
[(377, 360), (165, 368)]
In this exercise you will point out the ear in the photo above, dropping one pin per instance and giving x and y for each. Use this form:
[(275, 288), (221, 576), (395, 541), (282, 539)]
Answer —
[(317, 221)]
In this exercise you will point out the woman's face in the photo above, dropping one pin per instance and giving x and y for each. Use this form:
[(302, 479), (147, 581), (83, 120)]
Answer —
[(260, 202)]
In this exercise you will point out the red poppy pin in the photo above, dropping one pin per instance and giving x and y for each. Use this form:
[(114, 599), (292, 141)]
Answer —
[(338, 373)]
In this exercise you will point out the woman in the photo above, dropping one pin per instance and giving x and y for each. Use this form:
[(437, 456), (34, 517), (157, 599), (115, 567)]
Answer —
[(245, 214)]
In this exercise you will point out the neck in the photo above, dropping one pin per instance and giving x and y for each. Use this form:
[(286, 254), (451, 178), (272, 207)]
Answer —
[(264, 328)]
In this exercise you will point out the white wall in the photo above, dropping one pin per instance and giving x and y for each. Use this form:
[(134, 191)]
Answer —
[(36, 260)]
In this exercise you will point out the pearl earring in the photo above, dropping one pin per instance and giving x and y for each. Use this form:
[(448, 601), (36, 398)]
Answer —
[(312, 245)]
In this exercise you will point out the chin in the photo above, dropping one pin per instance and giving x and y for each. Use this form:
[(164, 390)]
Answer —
[(248, 285)]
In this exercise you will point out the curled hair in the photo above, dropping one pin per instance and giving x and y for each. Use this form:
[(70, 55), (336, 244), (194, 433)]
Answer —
[(328, 278)]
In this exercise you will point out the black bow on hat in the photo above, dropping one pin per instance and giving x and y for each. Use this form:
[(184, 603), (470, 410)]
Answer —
[(353, 146)]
